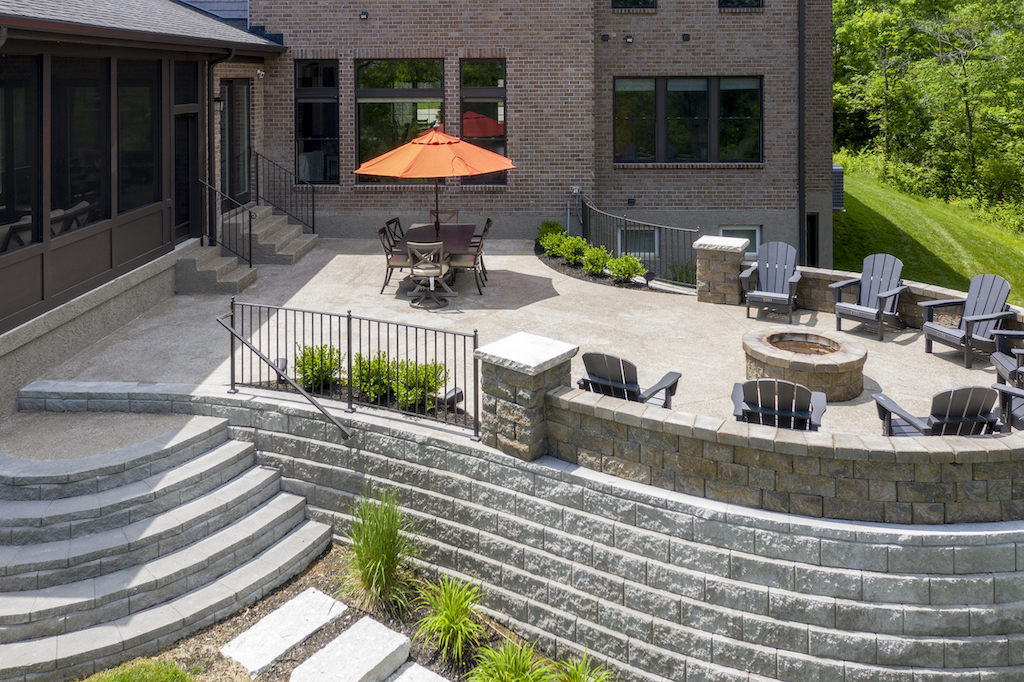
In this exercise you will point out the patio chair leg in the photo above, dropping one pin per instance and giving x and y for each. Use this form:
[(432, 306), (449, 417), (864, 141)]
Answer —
[(476, 276), (880, 332), (387, 278)]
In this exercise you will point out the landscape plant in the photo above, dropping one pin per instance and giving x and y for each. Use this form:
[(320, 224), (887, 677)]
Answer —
[(371, 375), (552, 243), (416, 384), (452, 619), (549, 227), (383, 543), (595, 260), (143, 670), (582, 669), (571, 249), (318, 367), (625, 268), (513, 662)]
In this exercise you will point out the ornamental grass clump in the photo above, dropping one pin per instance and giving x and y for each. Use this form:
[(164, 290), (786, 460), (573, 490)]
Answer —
[(453, 621), (383, 544), (583, 669), (143, 670), (512, 663)]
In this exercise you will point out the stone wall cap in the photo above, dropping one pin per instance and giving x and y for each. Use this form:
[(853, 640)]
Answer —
[(714, 243), (527, 353)]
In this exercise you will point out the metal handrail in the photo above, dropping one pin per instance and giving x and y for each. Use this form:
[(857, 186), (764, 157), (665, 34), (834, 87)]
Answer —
[(281, 194), (229, 243), (280, 373)]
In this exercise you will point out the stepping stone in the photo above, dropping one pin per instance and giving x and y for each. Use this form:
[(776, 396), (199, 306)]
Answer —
[(414, 672), (276, 634), (366, 652)]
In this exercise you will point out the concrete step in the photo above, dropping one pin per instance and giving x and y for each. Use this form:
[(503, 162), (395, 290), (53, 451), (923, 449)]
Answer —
[(206, 271), (284, 246), (82, 652), (22, 479), (366, 652), (35, 521), (73, 606), (414, 672), (275, 635), (29, 567)]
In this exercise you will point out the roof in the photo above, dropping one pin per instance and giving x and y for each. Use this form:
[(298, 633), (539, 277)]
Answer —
[(162, 21)]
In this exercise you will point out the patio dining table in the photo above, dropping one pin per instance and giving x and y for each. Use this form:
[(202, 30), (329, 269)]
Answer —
[(455, 236)]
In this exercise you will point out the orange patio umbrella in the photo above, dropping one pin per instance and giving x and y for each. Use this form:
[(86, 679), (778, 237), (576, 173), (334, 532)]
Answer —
[(435, 155)]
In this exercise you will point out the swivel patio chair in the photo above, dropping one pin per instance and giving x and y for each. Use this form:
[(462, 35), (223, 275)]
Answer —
[(395, 261), (965, 411), (770, 284), (777, 402), (984, 310), (878, 293), (613, 376), (429, 269)]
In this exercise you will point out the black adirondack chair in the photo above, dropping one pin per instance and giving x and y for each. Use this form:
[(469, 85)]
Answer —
[(770, 283), (965, 411), (1008, 359), (1011, 405), (777, 402), (610, 375), (878, 294), (984, 311)]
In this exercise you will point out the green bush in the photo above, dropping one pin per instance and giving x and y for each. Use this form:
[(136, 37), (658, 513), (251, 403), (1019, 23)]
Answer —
[(584, 669), (383, 543), (318, 367), (511, 663), (452, 620), (625, 268), (685, 273), (143, 670), (372, 375), (549, 227), (595, 260), (572, 249), (416, 383), (552, 243)]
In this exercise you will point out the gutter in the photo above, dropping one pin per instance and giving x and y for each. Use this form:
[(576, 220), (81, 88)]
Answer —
[(211, 208)]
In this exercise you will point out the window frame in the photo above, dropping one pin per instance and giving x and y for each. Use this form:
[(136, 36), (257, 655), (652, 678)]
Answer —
[(317, 95), (714, 119), (754, 244), (622, 243), (485, 93), (634, 4)]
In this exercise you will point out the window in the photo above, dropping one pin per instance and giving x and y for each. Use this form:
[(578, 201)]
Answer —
[(739, 3), (20, 150), (316, 121), (634, 4), (396, 100), (687, 120), (751, 232), (641, 242), (483, 112), (138, 133)]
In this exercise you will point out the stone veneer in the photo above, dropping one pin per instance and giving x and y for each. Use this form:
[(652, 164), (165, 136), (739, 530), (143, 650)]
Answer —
[(719, 260), (838, 374)]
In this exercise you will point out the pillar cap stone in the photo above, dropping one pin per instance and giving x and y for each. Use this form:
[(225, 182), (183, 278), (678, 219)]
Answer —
[(527, 353), (728, 244)]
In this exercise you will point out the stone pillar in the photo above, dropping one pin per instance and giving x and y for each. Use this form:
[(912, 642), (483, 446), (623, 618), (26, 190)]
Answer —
[(515, 373), (719, 263)]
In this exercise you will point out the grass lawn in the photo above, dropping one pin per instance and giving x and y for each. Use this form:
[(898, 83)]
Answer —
[(938, 243)]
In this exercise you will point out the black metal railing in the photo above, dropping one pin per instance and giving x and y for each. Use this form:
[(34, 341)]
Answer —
[(430, 373), (234, 228), (664, 250), (284, 190)]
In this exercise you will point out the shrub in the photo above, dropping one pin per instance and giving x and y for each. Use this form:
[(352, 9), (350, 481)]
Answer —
[(452, 622), (143, 670), (549, 227), (625, 268), (584, 669), (511, 663), (595, 260), (572, 249), (382, 545), (372, 375), (552, 243), (318, 367), (416, 383), (685, 273)]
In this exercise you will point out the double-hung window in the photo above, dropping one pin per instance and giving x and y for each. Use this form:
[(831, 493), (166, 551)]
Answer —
[(316, 121), (483, 112), (687, 120), (396, 100)]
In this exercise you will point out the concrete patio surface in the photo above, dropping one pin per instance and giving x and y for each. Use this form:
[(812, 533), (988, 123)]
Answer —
[(179, 340)]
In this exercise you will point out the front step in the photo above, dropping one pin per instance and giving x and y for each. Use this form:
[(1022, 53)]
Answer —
[(278, 241), (205, 271)]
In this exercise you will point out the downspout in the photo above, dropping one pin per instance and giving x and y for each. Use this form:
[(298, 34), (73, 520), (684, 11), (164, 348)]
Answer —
[(211, 208), (801, 98)]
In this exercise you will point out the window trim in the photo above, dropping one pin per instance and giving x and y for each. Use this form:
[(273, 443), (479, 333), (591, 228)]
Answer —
[(488, 92), (642, 255), (322, 93), (755, 243)]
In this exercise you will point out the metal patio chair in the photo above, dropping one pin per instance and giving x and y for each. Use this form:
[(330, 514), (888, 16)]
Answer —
[(429, 270), (395, 261), (777, 402), (965, 411), (770, 284), (878, 293), (613, 376), (984, 310)]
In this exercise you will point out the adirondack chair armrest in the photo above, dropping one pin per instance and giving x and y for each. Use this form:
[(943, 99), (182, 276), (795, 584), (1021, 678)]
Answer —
[(668, 383), (1008, 390), (1003, 337), (892, 292), (737, 401), (818, 407), (837, 287), (971, 320), (795, 279), (930, 306), (746, 275), (888, 407)]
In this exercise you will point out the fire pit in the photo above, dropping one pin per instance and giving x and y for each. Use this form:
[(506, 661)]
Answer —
[(818, 360)]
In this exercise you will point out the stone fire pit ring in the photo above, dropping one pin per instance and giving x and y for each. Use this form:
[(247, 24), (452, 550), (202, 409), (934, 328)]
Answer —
[(836, 368)]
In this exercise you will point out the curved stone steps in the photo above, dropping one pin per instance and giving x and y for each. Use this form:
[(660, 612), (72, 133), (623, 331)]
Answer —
[(102, 646), (42, 565), (37, 521), (65, 608)]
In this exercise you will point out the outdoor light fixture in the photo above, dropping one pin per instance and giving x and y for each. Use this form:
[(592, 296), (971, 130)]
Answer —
[(364, 15), (630, 201), (628, 39), (686, 37), (261, 73), (218, 104), (604, 37)]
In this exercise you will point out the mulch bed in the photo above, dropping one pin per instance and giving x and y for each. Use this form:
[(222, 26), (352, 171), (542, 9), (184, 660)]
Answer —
[(577, 272)]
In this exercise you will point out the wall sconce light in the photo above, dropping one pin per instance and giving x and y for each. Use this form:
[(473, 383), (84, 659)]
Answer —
[(604, 37), (261, 73), (364, 15), (628, 39), (686, 37), (631, 201), (218, 104)]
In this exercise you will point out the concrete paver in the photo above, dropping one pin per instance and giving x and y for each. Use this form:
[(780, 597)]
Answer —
[(366, 652)]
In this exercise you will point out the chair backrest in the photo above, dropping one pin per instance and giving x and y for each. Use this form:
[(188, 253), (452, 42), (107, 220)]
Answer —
[(964, 411), (880, 272), (612, 376), (445, 215), (386, 242), (777, 402), (986, 295), (425, 254), (776, 263), (394, 227)]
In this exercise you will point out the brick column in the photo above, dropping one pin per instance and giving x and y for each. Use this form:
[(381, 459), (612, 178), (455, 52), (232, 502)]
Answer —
[(515, 373), (719, 263)]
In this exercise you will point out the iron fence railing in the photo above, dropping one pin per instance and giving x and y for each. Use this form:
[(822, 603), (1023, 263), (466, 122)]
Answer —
[(664, 250), (284, 190), (234, 228), (430, 373)]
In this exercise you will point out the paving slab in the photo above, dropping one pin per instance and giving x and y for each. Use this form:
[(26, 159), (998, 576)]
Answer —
[(366, 652), (275, 635), (414, 672)]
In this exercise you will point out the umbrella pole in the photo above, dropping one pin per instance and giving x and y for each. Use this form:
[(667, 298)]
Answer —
[(437, 210)]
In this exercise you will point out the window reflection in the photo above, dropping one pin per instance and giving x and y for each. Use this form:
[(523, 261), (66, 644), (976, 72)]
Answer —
[(19, 151), (138, 133)]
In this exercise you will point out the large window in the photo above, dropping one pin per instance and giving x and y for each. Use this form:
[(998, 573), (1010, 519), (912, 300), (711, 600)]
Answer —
[(687, 120), (396, 100), (634, 4), (138, 133), (483, 111), (316, 121), (20, 147)]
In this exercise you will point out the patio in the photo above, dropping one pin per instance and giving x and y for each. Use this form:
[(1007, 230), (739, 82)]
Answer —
[(179, 340)]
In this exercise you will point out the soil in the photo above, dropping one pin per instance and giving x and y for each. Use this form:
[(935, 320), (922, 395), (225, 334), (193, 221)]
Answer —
[(560, 266), (200, 656)]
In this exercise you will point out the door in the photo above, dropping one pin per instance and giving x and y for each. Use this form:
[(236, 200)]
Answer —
[(186, 173), (235, 139)]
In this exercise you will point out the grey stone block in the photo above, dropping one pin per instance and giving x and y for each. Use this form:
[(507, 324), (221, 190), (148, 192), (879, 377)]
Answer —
[(610, 507), (925, 621), (911, 652), (774, 633), (897, 589), (828, 582), (664, 521), (854, 646), (678, 581), (853, 555), (653, 602), (622, 564), (800, 608), (724, 535), (589, 526), (494, 497), (554, 621), (736, 595), (597, 583), (579, 550), (682, 640), (573, 601), (523, 583), (532, 509), (521, 531), (973, 589), (655, 660), (796, 667), (864, 617), (713, 619), (626, 621), (698, 557), (605, 641), (643, 543), (979, 652), (742, 656), (768, 572)]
